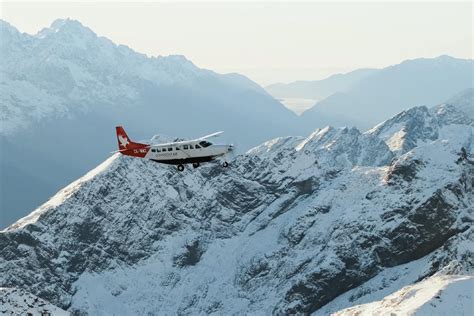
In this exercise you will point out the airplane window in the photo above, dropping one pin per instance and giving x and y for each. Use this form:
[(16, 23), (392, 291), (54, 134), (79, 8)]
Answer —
[(158, 150), (197, 146), (177, 148), (153, 150), (185, 146), (191, 146), (164, 149), (170, 149), (205, 143)]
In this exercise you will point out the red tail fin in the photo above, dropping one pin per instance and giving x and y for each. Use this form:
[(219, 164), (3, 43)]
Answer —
[(127, 146)]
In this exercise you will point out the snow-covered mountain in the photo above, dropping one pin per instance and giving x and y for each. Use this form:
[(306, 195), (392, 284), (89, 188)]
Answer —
[(382, 94), (20, 302), (67, 68), (417, 125), (437, 295), (298, 224), (63, 90)]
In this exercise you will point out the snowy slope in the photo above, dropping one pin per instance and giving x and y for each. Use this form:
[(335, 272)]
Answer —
[(456, 252), (437, 295), (298, 224), (19, 302), (419, 125)]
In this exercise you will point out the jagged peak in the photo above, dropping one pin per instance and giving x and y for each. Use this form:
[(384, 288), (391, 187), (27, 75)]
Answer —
[(414, 111), (176, 60), (404, 116), (319, 135), (297, 143), (276, 144), (60, 23), (348, 145), (402, 132), (66, 26)]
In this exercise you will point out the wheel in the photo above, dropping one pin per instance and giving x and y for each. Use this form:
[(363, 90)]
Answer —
[(225, 164), (195, 164), (180, 167)]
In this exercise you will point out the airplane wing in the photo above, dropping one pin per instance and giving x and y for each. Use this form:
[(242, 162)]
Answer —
[(191, 140), (210, 135)]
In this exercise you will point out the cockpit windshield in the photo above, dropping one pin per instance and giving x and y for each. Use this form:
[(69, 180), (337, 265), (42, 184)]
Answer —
[(205, 143)]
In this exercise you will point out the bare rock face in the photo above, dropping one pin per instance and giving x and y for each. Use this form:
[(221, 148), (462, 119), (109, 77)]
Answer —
[(290, 227)]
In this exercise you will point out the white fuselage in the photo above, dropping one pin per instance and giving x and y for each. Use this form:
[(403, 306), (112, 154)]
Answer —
[(177, 153), (186, 152)]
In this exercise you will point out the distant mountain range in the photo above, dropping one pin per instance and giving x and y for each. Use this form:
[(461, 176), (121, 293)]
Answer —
[(297, 225), (319, 89), (64, 90), (367, 96)]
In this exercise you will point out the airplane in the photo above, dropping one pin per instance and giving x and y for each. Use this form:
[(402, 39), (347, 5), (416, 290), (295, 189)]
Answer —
[(179, 153)]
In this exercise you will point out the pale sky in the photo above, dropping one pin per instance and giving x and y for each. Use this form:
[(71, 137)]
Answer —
[(269, 41)]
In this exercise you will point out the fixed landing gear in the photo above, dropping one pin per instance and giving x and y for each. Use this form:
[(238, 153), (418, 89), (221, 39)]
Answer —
[(180, 167)]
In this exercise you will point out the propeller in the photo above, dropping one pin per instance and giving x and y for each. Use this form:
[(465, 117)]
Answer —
[(233, 151)]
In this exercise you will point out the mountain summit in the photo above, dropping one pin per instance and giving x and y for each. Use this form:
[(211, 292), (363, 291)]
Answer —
[(66, 26)]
